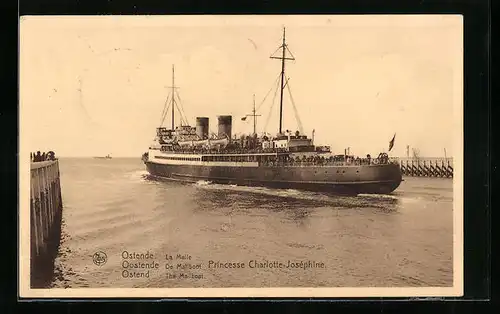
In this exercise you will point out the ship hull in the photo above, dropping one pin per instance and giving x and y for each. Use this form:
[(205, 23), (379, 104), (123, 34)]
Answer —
[(352, 180)]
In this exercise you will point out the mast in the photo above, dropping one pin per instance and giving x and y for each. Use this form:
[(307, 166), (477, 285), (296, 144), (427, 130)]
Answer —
[(282, 78), (173, 98), (255, 117), (282, 58)]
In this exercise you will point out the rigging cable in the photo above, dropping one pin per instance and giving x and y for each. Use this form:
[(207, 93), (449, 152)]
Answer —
[(270, 90), (272, 106), (181, 118), (181, 109), (279, 43), (294, 108), (165, 110), (165, 106), (293, 57)]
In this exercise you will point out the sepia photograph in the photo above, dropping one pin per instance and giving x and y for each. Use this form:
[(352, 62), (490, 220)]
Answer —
[(241, 156)]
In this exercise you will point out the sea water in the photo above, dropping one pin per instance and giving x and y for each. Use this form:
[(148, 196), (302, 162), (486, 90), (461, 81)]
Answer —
[(122, 228)]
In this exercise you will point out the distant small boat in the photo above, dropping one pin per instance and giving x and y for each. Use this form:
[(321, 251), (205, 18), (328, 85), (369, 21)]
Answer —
[(105, 157)]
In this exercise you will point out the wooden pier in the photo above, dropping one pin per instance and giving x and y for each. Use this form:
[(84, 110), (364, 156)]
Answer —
[(426, 167), (45, 219)]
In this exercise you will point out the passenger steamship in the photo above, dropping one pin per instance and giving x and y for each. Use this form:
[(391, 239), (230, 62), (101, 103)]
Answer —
[(288, 160)]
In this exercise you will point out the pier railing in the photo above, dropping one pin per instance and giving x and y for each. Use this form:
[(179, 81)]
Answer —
[(426, 167), (45, 219)]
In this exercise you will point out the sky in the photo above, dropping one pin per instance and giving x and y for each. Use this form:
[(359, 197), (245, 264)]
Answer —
[(91, 86)]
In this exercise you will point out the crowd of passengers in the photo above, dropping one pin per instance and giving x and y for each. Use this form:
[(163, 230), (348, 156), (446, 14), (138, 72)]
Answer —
[(38, 156), (200, 150), (321, 160), (316, 160)]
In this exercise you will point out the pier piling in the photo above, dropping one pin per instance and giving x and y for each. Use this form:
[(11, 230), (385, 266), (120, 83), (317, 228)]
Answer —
[(45, 219)]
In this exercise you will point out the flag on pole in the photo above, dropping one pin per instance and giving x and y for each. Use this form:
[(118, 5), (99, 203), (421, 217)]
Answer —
[(391, 143), (243, 119)]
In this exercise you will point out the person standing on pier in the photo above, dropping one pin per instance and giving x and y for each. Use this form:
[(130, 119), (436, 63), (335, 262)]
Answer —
[(51, 155)]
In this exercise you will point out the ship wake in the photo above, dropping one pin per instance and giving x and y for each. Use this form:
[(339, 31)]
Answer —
[(377, 196), (137, 175), (203, 183), (320, 199)]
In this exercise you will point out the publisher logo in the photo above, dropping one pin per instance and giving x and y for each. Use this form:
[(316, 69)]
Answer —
[(100, 258)]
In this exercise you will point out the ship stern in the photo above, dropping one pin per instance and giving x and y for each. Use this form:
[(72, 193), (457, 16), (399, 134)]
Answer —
[(387, 178)]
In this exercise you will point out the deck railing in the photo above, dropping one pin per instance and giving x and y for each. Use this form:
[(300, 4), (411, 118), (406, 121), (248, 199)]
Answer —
[(328, 163)]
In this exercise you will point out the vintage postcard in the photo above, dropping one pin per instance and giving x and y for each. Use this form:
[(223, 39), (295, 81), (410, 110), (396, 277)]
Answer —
[(241, 156)]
